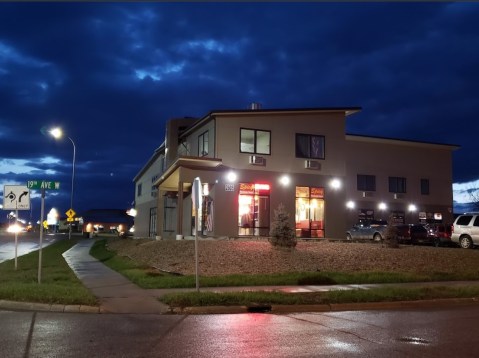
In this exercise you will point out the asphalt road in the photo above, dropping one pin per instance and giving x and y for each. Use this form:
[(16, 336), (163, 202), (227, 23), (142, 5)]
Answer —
[(26, 242), (448, 332)]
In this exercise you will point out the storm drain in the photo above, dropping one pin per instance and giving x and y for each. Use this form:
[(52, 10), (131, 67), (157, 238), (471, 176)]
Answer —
[(258, 308)]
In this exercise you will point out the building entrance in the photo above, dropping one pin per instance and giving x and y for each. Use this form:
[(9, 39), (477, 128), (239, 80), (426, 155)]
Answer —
[(309, 212), (253, 209)]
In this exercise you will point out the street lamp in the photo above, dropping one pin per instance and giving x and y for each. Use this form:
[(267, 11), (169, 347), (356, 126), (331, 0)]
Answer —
[(57, 133)]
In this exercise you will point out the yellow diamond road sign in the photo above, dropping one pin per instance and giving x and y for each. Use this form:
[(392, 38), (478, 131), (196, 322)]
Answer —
[(70, 213)]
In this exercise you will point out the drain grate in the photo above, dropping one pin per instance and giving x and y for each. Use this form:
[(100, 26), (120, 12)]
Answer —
[(259, 308)]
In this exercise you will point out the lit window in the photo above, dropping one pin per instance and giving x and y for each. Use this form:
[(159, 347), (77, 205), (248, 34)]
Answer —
[(255, 141), (203, 144)]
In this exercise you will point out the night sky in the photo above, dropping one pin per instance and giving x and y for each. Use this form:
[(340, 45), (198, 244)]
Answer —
[(111, 74)]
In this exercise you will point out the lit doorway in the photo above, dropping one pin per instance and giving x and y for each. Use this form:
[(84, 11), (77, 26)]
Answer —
[(253, 209), (309, 212)]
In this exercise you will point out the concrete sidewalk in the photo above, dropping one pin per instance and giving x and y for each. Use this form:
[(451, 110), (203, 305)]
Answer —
[(116, 293)]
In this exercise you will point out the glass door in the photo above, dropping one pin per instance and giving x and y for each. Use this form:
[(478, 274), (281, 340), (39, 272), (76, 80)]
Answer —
[(253, 210), (309, 212)]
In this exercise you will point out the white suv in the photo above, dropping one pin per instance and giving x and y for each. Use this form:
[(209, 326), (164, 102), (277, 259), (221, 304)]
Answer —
[(465, 230)]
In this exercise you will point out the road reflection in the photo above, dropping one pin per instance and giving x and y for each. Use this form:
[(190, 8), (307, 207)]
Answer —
[(27, 242)]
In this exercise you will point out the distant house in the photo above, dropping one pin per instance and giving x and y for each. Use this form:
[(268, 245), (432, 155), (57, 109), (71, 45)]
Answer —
[(105, 220), (251, 160)]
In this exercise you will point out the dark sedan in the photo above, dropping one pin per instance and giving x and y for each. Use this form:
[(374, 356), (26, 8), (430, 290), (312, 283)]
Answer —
[(413, 234)]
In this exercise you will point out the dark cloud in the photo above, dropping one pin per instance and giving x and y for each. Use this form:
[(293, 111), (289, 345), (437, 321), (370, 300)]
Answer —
[(111, 74)]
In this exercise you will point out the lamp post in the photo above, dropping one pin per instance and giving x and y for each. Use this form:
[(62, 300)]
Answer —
[(57, 133)]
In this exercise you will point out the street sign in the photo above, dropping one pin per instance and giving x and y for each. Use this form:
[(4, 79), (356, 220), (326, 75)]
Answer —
[(45, 224), (16, 197), (70, 213), (70, 219), (43, 184)]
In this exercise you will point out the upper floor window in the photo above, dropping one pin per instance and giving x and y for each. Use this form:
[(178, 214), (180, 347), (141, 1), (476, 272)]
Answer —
[(424, 186), (255, 141), (309, 146), (397, 185), (138, 189), (366, 182), (154, 189), (203, 144), (184, 147)]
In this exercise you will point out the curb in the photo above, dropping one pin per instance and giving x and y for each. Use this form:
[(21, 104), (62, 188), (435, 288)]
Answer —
[(274, 309), (337, 307), (48, 307)]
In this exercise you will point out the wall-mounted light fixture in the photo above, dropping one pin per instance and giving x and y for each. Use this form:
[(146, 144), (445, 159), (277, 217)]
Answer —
[(285, 180), (335, 183), (350, 204), (231, 177)]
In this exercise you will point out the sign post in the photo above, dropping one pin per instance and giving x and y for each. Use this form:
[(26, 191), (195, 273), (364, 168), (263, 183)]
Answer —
[(42, 185), (42, 213), (16, 197), (196, 197)]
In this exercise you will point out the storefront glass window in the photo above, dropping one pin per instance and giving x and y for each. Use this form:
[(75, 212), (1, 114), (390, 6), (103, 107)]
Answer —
[(253, 209), (309, 212)]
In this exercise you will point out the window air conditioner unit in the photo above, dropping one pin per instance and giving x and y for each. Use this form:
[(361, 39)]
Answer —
[(257, 160), (398, 196), (368, 194), (312, 164)]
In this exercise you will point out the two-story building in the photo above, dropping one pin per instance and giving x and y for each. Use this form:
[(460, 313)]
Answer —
[(250, 161)]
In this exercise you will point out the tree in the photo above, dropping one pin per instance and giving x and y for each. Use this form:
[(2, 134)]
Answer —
[(391, 234), (281, 233), (474, 197)]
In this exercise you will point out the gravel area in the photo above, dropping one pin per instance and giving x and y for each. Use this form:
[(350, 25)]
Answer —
[(257, 256)]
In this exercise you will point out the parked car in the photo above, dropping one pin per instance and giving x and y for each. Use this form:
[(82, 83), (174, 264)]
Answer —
[(367, 230), (465, 230), (440, 234), (124, 231), (413, 234)]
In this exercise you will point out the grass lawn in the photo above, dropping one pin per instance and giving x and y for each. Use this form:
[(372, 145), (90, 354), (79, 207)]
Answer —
[(148, 278), (386, 294), (58, 284)]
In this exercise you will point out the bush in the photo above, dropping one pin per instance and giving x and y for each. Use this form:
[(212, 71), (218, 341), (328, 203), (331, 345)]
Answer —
[(391, 234), (281, 233)]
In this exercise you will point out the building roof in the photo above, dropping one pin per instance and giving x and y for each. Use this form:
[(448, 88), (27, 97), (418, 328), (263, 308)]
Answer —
[(347, 110), (387, 140), (107, 216), (158, 151)]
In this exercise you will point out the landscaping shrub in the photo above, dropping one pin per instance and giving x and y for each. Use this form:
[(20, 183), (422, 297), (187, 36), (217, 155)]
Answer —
[(281, 233)]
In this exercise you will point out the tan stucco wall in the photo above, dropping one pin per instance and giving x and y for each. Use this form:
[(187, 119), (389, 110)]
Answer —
[(283, 129), (413, 161)]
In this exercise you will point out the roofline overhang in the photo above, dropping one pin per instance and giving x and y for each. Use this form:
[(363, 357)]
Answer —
[(158, 151), (191, 163), (227, 112), (387, 140)]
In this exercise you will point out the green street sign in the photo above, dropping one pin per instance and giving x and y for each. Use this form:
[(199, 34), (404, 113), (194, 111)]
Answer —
[(43, 184)]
